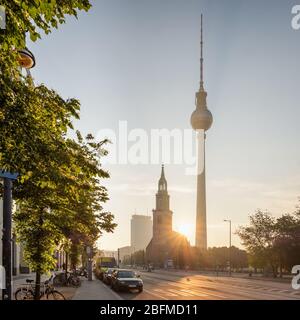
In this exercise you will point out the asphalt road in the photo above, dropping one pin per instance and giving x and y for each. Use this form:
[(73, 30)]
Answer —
[(162, 285)]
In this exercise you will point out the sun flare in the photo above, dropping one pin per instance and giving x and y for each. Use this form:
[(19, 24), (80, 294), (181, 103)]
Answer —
[(186, 229)]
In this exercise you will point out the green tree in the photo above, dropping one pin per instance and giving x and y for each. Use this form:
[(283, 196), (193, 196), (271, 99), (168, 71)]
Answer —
[(67, 189), (287, 242), (258, 238), (57, 175), (32, 17), (273, 242)]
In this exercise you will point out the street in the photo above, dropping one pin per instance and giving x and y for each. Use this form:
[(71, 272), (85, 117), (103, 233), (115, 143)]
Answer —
[(160, 285), (164, 285)]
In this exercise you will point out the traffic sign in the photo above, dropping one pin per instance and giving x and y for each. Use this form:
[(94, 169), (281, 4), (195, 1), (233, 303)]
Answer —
[(8, 175)]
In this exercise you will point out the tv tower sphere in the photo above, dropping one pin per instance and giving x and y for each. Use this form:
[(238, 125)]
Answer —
[(201, 118)]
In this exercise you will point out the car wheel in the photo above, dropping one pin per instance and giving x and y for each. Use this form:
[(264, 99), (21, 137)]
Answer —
[(140, 289)]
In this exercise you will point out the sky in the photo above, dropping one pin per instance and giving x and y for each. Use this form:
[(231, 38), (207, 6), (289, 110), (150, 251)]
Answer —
[(138, 61)]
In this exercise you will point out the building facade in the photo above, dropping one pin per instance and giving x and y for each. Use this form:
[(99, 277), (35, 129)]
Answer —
[(125, 252), (141, 232)]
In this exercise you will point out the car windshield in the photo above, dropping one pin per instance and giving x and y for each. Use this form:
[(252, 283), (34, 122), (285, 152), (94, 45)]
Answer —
[(126, 274), (107, 264)]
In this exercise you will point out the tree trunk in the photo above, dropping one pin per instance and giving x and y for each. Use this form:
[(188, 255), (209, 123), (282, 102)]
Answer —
[(37, 285), (38, 270), (274, 268), (66, 266)]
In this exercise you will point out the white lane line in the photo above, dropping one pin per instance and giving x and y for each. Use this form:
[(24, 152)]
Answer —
[(208, 293), (195, 293), (155, 294), (179, 292), (170, 294)]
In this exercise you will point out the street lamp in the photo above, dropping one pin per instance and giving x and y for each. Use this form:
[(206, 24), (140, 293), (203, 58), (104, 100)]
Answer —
[(229, 221), (6, 232), (26, 59)]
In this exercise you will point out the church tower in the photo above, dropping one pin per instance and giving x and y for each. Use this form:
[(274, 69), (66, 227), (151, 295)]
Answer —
[(166, 246), (162, 215)]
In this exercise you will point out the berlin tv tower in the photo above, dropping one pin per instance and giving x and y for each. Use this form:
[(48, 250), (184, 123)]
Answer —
[(201, 121)]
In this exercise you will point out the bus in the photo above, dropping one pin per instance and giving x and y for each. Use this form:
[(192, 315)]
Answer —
[(105, 263)]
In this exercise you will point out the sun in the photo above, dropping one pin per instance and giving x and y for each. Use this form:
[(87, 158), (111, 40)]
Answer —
[(186, 229)]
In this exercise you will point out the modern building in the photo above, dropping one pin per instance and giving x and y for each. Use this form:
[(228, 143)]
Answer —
[(166, 245), (141, 231), (125, 252), (201, 121)]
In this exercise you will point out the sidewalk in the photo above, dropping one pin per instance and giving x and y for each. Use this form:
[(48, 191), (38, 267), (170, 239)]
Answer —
[(19, 281), (95, 290)]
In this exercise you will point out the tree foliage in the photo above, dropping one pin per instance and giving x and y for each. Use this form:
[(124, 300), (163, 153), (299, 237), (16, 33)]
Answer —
[(59, 191), (32, 17), (272, 243)]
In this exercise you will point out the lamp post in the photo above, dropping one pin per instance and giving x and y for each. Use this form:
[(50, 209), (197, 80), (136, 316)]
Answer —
[(6, 237), (26, 60), (89, 251), (229, 221)]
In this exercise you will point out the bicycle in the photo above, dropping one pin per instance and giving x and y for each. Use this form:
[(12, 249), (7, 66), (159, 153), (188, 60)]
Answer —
[(48, 292), (67, 279)]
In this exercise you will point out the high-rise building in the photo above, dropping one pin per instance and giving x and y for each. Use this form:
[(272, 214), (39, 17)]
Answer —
[(141, 231), (201, 121)]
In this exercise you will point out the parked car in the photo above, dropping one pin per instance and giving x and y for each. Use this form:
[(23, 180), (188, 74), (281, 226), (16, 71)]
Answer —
[(128, 280), (107, 275)]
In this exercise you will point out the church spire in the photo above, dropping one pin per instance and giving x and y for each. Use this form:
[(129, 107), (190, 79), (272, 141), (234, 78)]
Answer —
[(162, 196), (162, 176), (162, 183), (201, 57)]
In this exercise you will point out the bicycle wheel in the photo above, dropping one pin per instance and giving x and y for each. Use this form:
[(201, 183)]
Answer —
[(55, 295), (75, 282), (24, 294), (57, 281)]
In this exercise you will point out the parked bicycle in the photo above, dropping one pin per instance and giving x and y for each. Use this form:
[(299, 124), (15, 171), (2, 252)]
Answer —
[(47, 291), (67, 279)]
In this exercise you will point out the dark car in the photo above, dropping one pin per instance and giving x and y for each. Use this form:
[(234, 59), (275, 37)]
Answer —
[(107, 275), (126, 280)]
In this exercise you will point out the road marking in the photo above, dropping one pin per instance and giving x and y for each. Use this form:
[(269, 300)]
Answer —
[(180, 293), (170, 294), (208, 293), (156, 295), (195, 293)]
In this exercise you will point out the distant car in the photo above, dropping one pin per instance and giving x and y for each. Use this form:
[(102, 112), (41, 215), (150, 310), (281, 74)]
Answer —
[(128, 280), (107, 275)]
